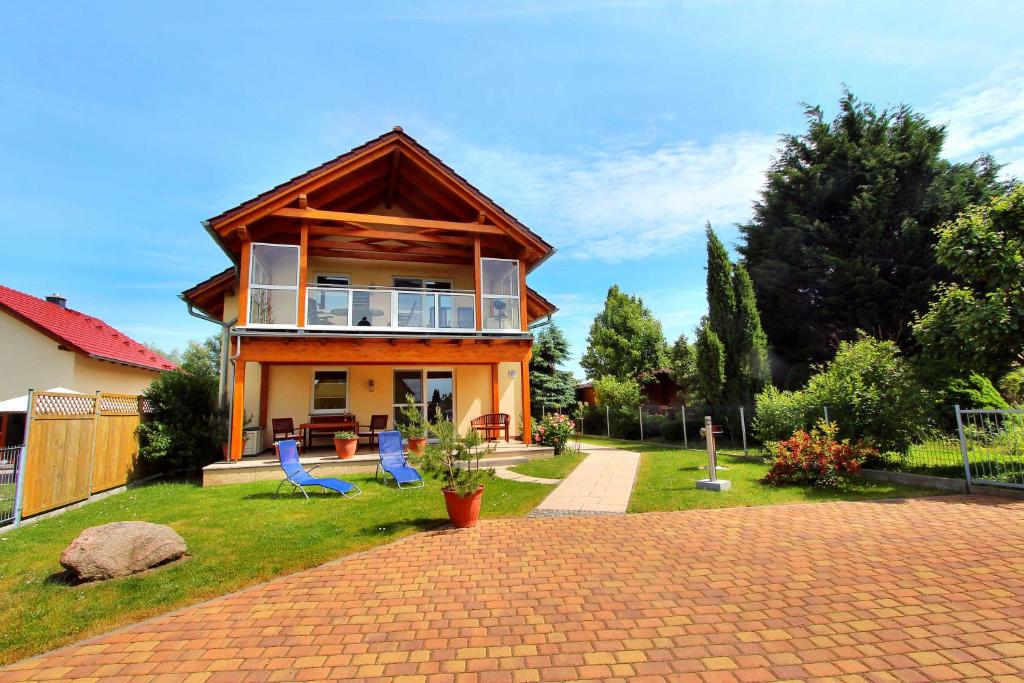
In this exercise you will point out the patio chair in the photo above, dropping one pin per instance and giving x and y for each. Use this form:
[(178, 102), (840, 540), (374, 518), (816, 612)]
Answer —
[(394, 462), (378, 423), (299, 477), (283, 428)]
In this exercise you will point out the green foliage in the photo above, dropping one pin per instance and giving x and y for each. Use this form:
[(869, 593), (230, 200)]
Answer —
[(622, 397), (710, 364), (454, 460), (682, 363), (1011, 386), (549, 384), (842, 237), (184, 430), (733, 318), (625, 339), (555, 430), (672, 430), (346, 435), (410, 423), (869, 389), (972, 391), (979, 325)]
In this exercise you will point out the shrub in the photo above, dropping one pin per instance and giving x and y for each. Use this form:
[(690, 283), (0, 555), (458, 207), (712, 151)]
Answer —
[(672, 430), (1012, 386), (778, 414), (654, 426), (622, 397), (184, 430), (555, 430), (869, 389), (816, 458)]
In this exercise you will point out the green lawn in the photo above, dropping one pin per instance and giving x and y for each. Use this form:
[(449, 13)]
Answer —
[(557, 467), (237, 536), (667, 481)]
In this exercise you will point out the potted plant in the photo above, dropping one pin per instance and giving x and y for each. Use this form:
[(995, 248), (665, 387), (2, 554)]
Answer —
[(345, 444), (412, 426), (455, 461)]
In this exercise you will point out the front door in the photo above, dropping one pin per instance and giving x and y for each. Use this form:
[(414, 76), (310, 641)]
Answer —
[(428, 390)]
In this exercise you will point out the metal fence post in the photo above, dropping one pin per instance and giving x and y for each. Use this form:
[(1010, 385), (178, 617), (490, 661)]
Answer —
[(743, 430), (686, 445), (19, 487), (607, 422), (827, 423), (640, 409), (963, 445)]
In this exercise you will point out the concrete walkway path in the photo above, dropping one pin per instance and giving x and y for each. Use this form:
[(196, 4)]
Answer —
[(601, 484), (506, 473)]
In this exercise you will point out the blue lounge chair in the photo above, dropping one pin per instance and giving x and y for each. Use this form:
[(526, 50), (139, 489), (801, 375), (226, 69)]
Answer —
[(299, 477), (394, 462)]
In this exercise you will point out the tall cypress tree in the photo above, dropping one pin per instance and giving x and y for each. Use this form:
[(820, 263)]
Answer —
[(752, 344), (722, 301), (710, 375)]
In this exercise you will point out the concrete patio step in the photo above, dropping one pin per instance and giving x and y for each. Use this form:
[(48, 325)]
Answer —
[(265, 467)]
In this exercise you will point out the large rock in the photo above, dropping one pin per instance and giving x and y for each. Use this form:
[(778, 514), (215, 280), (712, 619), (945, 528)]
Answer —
[(120, 549)]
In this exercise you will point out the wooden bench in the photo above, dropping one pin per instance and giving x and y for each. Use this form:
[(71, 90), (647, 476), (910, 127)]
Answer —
[(492, 425)]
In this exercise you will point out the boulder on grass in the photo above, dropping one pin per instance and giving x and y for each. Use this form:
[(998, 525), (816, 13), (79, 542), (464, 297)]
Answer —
[(120, 549)]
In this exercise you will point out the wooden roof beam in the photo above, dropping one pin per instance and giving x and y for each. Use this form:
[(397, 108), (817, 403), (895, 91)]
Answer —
[(397, 221), (378, 249), (414, 258), (375, 234)]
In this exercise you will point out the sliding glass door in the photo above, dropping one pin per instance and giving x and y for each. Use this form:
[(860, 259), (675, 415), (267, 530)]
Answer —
[(427, 390)]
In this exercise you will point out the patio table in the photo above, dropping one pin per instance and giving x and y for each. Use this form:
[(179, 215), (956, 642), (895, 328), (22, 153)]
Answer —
[(309, 428)]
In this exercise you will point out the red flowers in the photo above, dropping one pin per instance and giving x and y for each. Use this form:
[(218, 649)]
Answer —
[(816, 458)]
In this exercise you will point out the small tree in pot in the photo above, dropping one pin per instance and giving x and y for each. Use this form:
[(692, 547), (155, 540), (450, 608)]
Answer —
[(412, 426), (455, 461)]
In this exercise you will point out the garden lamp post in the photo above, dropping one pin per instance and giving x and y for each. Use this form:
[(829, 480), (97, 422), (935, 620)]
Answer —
[(712, 483)]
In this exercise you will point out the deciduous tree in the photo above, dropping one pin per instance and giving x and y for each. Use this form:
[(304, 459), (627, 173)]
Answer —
[(625, 339)]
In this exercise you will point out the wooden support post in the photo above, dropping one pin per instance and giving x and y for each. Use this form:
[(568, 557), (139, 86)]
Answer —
[(264, 393), (303, 267), (237, 411), (495, 398), (527, 431), (243, 284), (522, 296), (478, 281)]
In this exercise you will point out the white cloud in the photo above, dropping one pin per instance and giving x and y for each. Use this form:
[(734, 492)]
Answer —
[(625, 204), (986, 117)]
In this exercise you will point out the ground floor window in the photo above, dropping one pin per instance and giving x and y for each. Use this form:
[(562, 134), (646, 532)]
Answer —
[(330, 391), (430, 390)]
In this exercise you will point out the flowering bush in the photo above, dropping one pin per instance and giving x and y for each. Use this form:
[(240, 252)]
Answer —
[(555, 430), (816, 458)]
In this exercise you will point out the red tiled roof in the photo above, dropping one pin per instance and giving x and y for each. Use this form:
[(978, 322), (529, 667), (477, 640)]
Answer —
[(80, 332)]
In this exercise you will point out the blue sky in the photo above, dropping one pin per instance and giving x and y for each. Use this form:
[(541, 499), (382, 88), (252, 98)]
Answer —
[(614, 129)]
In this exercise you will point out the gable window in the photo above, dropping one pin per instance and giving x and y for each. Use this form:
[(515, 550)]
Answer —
[(499, 297), (330, 391), (273, 285)]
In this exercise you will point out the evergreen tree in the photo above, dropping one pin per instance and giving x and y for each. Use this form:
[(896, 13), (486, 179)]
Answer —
[(550, 385), (625, 339), (710, 364), (734, 319), (842, 238)]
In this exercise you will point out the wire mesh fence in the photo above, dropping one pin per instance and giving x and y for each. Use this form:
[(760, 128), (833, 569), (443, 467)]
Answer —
[(992, 445), (10, 466)]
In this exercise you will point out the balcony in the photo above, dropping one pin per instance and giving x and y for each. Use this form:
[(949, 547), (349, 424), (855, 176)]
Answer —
[(408, 310)]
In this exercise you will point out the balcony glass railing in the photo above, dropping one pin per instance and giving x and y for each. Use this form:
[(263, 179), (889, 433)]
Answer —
[(333, 308)]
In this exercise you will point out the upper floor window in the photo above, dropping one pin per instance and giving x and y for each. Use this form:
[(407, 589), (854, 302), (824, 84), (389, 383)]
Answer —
[(420, 283), (273, 285), (499, 297), (333, 280)]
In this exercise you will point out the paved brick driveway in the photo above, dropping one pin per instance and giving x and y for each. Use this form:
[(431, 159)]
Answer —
[(927, 589)]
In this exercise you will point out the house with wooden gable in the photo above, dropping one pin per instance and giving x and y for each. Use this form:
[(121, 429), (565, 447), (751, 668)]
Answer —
[(377, 280)]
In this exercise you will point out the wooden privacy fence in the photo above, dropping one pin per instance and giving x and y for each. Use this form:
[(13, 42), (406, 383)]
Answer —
[(77, 445)]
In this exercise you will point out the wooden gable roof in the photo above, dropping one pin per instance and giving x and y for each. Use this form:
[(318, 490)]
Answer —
[(390, 194)]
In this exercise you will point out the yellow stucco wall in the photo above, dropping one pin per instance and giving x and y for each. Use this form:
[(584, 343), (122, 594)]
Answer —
[(290, 392), (510, 391), (31, 360)]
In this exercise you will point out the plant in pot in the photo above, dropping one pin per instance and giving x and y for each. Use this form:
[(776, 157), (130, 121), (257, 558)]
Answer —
[(412, 426), (345, 444), (455, 461)]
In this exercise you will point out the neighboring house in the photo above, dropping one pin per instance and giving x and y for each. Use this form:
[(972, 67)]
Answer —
[(45, 344), (660, 391), (380, 274)]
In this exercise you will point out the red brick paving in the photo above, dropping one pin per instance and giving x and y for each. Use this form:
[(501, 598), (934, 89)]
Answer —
[(917, 590)]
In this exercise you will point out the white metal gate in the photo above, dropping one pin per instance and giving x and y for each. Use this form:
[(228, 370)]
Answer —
[(992, 446)]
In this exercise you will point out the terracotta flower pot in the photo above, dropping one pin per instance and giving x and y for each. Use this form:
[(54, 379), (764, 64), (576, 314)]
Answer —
[(345, 448), (463, 511), (417, 444)]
